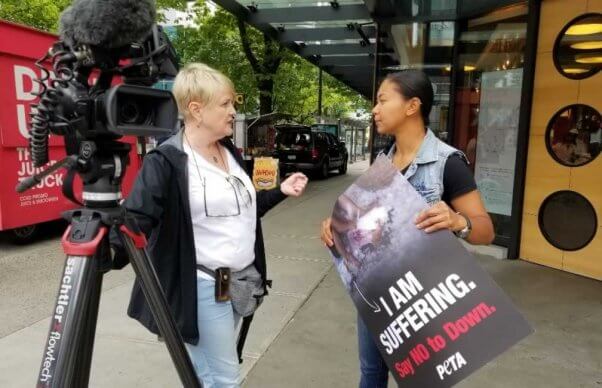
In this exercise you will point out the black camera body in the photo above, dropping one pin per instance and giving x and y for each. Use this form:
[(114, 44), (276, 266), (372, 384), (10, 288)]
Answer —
[(74, 107), (99, 93)]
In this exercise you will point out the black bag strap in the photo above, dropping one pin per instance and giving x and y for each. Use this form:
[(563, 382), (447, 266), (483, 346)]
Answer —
[(209, 272)]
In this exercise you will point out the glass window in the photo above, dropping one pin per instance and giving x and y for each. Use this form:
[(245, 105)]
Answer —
[(568, 220), (574, 134), (293, 139), (487, 107), (321, 138), (332, 139), (578, 48)]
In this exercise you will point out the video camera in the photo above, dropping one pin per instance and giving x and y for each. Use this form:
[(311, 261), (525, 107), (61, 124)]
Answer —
[(74, 108), (101, 41)]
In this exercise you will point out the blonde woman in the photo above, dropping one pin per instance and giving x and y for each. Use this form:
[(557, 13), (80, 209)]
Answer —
[(202, 214)]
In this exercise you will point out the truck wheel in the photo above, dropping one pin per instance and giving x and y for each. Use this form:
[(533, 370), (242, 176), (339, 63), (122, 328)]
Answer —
[(24, 235), (343, 168)]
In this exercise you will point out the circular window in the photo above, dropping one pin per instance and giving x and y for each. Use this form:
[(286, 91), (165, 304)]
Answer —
[(574, 135), (578, 47), (568, 220)]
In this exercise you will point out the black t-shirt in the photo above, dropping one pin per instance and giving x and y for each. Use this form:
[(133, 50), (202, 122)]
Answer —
[(457, 178)]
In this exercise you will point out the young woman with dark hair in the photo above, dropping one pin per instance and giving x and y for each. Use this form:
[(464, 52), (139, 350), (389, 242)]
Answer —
[(439, 172)]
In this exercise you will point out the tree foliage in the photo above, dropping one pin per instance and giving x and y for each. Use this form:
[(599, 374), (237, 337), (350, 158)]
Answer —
[(263, 71), (40, 14)]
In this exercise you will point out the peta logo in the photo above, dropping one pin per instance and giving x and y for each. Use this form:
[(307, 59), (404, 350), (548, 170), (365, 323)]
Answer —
[(451, 365)]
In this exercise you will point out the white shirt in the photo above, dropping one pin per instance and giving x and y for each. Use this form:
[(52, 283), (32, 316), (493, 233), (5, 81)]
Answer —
[(220, 241)]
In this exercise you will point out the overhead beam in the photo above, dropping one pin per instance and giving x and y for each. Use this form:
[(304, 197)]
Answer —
[(243, 13), (332, 33), (304, 14), (355, 60), (332, 49)]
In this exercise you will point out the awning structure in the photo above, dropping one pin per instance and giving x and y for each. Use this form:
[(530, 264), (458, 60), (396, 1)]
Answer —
[(350, 39)]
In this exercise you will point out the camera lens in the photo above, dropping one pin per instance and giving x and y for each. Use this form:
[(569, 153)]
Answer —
[(143, 111), (133, 112)]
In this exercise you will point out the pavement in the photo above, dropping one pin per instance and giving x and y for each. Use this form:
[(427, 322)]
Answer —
[(304, 335)]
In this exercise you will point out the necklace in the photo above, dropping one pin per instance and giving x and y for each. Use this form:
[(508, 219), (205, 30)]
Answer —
[(220, 156), (198, 171), (215, 160)]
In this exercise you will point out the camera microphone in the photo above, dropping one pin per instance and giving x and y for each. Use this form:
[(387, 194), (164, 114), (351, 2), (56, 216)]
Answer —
[(107, 23)]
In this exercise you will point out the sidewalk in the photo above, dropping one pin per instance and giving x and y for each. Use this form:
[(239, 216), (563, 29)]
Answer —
[(304, 334)]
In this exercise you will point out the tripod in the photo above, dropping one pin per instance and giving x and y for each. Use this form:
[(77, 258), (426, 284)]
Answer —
[(68, 351)]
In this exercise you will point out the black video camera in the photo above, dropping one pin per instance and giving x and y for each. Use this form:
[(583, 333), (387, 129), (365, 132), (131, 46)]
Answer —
[(101, 43), (76, 106)]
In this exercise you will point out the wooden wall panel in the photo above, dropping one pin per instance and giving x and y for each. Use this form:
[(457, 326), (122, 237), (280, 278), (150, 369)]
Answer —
[(544, 175), (554, 15), (551, 92), (590, 92), (586, 261), (587, 180), (594, 6), (534, 246)]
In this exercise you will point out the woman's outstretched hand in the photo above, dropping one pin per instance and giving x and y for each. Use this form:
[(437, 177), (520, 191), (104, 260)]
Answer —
[(294, 185)]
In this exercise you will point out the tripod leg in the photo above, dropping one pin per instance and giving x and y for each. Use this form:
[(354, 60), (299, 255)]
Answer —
[(86, 348), (155, 297), (76, 297)]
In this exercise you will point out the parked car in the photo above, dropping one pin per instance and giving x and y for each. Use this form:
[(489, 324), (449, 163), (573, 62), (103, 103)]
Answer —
[(299, 148)]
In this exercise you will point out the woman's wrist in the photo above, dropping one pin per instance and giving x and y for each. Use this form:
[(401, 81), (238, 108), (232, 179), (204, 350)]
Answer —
[(460, 222)]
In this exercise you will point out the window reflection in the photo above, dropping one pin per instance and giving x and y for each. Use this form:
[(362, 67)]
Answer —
[(568, 220), (578, 48), (487, 106), (573, 135)]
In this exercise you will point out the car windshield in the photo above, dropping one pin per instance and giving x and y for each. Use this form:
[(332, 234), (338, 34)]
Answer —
[(293, 139)]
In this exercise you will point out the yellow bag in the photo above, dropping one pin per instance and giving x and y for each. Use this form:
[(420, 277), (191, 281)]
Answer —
[(265, 173)]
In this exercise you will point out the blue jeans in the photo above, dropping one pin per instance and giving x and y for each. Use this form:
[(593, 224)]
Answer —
[(375, 373), (215, 358)]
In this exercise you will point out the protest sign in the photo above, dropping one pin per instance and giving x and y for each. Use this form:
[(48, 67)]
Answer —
[(434, 314)]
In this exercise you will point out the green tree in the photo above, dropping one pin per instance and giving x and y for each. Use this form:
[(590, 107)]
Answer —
[(40, 14), (216, 42)]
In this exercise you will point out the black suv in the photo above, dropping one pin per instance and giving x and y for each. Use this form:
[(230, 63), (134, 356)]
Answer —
[(299, 148)]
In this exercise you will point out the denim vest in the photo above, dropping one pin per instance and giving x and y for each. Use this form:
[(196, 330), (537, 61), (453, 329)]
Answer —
[(425, 172)]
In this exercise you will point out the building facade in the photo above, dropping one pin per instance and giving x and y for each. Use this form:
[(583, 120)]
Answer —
[(515, 88)]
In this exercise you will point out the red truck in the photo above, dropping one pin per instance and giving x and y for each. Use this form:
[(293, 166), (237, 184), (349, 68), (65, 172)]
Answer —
[(21, 214)]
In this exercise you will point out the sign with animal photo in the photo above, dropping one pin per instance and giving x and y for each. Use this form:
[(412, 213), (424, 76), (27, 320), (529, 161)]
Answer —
[(265, 173), (434, 314)]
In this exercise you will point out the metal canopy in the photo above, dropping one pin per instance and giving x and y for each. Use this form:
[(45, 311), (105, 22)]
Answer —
[(341, 36)]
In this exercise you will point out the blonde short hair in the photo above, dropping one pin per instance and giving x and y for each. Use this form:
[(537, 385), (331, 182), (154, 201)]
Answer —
[(200, 83)]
